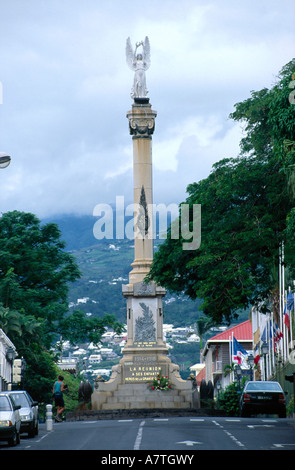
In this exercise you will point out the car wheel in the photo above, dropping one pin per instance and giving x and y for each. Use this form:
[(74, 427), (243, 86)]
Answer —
[(245, 414), (13, 440), (36, 429)]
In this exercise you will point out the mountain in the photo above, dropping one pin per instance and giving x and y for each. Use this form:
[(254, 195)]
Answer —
[(104, 266)]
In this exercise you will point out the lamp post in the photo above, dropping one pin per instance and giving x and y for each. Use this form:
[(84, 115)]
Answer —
[(250, 360), (23, 369), (264, 350), (10, 355), (239, 373), (218, 386), (4, 160)]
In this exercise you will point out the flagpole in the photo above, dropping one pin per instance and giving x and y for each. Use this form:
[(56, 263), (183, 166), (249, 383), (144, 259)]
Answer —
[(291, 323), (269, 349), (283, 307), (286, 327), (272, 344), (280, 298), (232, 353)]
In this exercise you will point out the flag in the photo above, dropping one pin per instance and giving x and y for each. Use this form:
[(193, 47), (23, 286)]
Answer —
[(290, 301), (238, 351), (256, 359), (277, 335), (288, 306)]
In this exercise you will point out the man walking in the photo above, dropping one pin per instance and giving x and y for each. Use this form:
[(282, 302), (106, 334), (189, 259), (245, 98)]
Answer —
[(58, 389)]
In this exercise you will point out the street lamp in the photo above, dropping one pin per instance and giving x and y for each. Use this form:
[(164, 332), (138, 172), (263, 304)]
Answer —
[(23, 369), (218, 386), (264, 350), (4, 160), (250, 360), (10, 355), (239, 373)]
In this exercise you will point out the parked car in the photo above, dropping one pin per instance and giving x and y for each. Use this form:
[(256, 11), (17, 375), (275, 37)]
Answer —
[(263, 397), (9, 420), (29, 412)]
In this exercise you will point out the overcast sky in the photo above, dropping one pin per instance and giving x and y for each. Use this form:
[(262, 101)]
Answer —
[(66, 92)]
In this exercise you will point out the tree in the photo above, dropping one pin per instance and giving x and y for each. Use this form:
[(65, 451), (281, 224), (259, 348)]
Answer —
[(245, 204), (203, 324), (78, 329), (35, 272)]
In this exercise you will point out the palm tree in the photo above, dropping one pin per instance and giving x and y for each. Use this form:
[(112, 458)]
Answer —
[(10, 321), (203, 324)]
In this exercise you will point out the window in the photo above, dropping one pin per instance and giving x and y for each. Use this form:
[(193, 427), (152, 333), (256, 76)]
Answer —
[(4, 404)]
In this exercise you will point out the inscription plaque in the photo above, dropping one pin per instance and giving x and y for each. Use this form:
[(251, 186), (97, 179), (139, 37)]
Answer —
[(145, 371)]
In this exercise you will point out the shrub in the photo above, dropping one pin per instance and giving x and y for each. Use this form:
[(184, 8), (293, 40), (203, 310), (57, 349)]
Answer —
[(229, 399)]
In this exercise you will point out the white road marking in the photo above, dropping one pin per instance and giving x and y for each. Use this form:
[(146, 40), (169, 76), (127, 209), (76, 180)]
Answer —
[(139, 436), (189, 443)]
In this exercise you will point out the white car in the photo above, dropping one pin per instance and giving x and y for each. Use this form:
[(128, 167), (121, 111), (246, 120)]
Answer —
[(29, 413), (9, 420)]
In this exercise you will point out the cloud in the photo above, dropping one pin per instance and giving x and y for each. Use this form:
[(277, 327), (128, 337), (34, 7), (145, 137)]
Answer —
[(66, 92)]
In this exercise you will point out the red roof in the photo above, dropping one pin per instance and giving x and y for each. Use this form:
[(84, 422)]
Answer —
[(201, 375), (241, 332)]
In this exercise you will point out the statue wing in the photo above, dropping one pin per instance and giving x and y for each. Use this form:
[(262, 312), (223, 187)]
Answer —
[(147, 53), (129, 55)]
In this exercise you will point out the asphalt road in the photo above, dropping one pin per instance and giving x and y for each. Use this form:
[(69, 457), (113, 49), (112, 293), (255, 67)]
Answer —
[(181, 436)]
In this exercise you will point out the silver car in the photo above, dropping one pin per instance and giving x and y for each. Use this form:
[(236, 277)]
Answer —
[(29, 413), (9, 420)]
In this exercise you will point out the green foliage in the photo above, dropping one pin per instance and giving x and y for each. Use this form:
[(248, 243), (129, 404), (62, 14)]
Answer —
[(78, 329), (35, 272), (160, 383), (72, 395), (245, 204), (40, 373), (290, 409), (35, 269), (229, 399), (269, 118)]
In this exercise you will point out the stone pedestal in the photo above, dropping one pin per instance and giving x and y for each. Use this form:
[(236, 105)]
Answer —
[(145, 354)]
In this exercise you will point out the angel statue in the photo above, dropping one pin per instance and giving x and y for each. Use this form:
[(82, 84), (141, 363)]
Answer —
[(139, 63)]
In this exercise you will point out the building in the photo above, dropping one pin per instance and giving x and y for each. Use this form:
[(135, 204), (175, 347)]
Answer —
[(273, 346), (69, 365), (219, 352), (94, 359), (7, 355)]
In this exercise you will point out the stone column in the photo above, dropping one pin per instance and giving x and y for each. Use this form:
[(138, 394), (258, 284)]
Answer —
[(145, 353), (141, 125)]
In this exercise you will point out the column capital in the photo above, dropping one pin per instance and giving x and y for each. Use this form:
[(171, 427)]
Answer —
[(141, 120)]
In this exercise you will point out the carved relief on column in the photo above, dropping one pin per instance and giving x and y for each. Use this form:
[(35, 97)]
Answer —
[(139, 127), (141, 121)]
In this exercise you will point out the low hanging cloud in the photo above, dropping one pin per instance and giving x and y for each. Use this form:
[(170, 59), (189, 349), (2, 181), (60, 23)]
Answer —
[(66, 92)]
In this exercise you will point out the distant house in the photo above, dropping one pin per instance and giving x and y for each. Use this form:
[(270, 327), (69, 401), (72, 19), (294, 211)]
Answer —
[(218, 352), (94, 359), (69, 364), (199, 370)]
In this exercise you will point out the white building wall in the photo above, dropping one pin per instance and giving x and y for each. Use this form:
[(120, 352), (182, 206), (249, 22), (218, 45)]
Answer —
[(5, 365)]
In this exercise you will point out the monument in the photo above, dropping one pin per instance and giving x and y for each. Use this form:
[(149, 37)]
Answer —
[(145, 354)]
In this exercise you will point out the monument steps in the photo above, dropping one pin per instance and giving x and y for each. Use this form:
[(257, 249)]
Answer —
[(131, 396)]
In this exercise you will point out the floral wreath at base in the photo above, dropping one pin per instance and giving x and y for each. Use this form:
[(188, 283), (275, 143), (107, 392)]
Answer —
[(160, 383)]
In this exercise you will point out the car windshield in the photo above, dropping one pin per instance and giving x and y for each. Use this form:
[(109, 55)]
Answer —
[(267, 386), (20, 399), (4, 404)]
